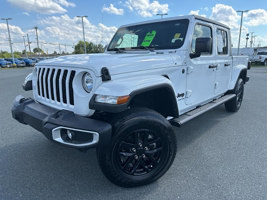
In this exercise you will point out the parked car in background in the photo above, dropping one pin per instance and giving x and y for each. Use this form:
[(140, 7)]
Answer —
[(18, 62), (4, 63), (36, 60), (28, 62), (261, 58)]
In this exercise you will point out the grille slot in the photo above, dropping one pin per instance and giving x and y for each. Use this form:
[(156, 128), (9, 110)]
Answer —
[(56, 84), (71, 87), (64, 86), (52, 84), (46, 83)]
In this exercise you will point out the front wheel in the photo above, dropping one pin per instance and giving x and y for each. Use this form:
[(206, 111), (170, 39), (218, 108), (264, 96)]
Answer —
[(143, 148), (234, 104)]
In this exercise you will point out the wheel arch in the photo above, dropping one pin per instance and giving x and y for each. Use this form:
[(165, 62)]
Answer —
[(238, 72), (243, 75), (154, 92), (160, 98)]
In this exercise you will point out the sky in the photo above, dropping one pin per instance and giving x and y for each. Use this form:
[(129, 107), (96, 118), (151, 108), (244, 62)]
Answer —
[(59, 29)]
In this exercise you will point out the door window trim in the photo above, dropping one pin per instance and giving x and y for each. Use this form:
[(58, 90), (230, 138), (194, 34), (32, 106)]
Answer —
[(228, 52), (211, 28)]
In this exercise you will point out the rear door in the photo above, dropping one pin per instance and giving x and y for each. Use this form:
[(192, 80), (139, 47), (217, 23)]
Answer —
[(201, 72), (223, 60)]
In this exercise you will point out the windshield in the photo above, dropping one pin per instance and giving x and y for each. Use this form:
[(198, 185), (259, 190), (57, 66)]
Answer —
[(159, 35), (262, 53)]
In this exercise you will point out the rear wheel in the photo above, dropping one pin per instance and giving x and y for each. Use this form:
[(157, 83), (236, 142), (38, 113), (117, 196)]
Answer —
[(143, 148), (234, 104)]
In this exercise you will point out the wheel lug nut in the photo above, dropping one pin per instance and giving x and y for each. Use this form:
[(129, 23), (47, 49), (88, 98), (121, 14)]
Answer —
[(146, 148), (136, 157), (140, 144), (143, 156), (151, 166), (133, 150)]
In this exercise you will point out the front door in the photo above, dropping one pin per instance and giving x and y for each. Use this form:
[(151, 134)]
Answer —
[(201, 71)]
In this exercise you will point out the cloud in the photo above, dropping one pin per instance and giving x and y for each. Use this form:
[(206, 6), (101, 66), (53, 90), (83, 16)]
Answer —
[(228, 16), (42, 6), (256, 17), (65, 3), (58, 28), (16, 37), (261, 40), (205, 8), (26, 13), (112, 10), (145, 8), (225, 14), (196, 12)]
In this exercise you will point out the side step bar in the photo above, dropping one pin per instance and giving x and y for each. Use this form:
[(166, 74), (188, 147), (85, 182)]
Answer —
[(198, 111)]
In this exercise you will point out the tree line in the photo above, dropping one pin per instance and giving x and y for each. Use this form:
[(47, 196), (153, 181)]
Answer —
[(90, 48), (78, 49)]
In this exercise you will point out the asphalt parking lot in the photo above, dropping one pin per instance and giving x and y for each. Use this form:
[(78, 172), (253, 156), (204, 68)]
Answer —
[(220, 155)]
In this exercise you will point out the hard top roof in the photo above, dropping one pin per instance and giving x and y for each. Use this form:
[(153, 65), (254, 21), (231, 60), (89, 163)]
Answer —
[(190, 17)]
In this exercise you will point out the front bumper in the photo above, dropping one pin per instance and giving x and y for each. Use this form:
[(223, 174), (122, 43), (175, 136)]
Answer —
[(62, 126)]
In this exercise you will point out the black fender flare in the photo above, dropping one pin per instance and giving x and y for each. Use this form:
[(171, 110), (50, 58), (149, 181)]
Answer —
[(112, 108)]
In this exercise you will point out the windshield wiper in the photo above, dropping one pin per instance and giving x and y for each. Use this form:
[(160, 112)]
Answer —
[(151, 49), (118, 50)]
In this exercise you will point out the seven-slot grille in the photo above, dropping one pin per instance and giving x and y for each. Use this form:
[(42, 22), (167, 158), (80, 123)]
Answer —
[(56, 84)]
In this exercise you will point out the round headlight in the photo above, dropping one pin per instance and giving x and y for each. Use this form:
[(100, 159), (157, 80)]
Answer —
[(87, 82)]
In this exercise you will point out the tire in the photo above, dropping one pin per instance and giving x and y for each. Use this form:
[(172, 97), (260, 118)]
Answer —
[(265, 62), (234, 104), (143, 148)]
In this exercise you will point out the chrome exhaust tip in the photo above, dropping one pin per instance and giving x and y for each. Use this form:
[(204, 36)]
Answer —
[(75, 137)]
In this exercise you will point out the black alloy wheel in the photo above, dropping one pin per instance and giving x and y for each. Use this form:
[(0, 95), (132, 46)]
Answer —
[(142, 149), (140, 152)]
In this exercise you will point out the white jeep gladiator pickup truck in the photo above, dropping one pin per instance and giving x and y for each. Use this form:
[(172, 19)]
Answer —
[(153, 75)]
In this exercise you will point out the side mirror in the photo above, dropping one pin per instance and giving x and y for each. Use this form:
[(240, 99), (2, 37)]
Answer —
[(194, 55), (203, 45)]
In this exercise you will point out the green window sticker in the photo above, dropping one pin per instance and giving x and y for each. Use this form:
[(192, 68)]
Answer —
[(148, 39)]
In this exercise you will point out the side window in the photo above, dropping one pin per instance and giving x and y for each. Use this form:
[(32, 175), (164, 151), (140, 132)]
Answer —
[(201, 31), (222, 42)]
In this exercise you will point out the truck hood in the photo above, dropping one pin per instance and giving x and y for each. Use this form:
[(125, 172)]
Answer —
[(115, 62)]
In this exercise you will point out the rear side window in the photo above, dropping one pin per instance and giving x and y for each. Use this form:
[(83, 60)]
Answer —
[(222, 42), (201, 31)]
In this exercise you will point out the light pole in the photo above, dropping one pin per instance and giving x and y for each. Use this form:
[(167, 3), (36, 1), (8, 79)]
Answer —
[(37, 39), (29, 44), (83, 33), (242, 12), (247, 38), (9, 38), (254, 37), (25, 46), (161, 14), (251, 42)]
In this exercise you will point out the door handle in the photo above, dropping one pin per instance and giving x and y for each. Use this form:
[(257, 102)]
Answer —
[(227, 64), (212, 66)]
